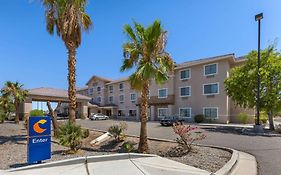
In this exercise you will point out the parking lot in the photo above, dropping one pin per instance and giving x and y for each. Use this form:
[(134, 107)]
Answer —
[(267, 150)]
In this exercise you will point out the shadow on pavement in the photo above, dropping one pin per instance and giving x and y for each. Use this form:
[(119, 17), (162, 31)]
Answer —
[(15, 139)]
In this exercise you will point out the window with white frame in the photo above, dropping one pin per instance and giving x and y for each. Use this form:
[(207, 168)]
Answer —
[(133, 96), (121, 86), (210, 112), (98, 99), (162, 112), (132, 112), (185, 74), (91, 90), (121, 98), (110, 88), (185, 112), (110, 99), (210, 89), (210, 69), (98, 88), (185, 91), (162, 93)]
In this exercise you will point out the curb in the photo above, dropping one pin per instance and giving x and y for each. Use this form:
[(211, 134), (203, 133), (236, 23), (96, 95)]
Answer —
[(225, 170)]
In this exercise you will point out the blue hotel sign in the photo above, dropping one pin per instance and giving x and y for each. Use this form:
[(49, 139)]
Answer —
[(39, 139)]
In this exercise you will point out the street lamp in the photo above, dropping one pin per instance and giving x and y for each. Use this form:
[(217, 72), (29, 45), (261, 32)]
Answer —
[(258, 18)]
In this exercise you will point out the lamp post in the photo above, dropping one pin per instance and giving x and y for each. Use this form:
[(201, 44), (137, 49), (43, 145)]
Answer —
[(258, 18)]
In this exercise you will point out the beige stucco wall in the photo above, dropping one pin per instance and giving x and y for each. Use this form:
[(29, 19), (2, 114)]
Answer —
[(197, 100)]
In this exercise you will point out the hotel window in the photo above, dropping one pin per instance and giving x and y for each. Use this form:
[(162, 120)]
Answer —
[(185, 112), (162, 112), (210, 112), (98, 88), (210, 89), (121, 86), (98, 99), (162, 93), (185, 91), (133, 97), (210, 69), (110, 99), (91, 90), (133, 112), (121, 98), (121, 113), (185, 74), (110, 88)]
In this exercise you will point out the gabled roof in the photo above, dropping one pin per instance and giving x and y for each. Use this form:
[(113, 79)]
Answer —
[(106, 80), (118, 80), (230, 57), (52, 92)]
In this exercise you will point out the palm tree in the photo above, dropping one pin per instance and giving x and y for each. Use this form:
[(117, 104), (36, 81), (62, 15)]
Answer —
[(16, 92), (6, 107), (68, 18), (145, 51)]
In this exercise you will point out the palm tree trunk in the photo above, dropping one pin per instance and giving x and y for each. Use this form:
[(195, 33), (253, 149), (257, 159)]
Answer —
[(270, 120), (54, 117), (72, 80), (143, 145), (17, 118)]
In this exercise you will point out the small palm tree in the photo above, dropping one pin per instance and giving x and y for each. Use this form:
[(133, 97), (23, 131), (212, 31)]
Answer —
[(16, 92), (145, 51), (68, 18)]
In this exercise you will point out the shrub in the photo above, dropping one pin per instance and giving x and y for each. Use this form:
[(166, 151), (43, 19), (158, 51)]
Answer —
[(86, 133), (118, 131), (36, 113), (263, 117), (128, 146), (2, 116), (199, 118), (187, 136), (70, 135), (243, 118)]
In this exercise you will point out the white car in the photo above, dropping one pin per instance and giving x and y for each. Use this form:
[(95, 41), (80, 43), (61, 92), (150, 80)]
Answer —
[(98, 116)]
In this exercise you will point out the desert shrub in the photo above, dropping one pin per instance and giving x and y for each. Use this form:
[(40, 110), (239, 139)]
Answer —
[(128, 146), (187, 136), (36, 113), (70, 135), (199, 118), (2, 116), (263, 117), (86, 133), (83, 117), (243, 118), (118, 131)]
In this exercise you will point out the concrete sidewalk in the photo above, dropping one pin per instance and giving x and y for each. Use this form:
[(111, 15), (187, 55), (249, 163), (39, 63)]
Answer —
[(245, 165), (126, 164)]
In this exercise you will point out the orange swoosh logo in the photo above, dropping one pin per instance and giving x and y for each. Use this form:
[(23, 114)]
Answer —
[(37, 128)]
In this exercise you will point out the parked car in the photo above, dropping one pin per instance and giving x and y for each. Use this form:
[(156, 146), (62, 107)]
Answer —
[(169, 120), (98, 116)]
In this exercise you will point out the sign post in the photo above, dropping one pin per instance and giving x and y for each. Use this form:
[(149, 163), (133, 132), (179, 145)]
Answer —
[(39, 139)]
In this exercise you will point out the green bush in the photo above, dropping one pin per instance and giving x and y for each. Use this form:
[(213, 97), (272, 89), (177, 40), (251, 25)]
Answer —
[(36, 113), (278, 128), (263, 117), (118, 131), (243, 118), (86, 133), (70, 135), (2, 116), (199, 118), (128, 146)]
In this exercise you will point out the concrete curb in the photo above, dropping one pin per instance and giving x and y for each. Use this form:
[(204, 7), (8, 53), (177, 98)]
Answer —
[(225, 170)]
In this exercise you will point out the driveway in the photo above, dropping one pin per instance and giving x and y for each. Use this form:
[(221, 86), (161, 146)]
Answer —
[(267, 150)]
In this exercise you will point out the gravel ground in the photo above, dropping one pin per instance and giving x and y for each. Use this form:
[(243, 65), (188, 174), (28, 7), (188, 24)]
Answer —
[(13, 147), (13, 150)]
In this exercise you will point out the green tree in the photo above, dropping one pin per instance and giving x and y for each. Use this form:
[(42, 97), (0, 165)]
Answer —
[(145, 51), (68, 18), (16, 93), (6, 107), (241, 85)]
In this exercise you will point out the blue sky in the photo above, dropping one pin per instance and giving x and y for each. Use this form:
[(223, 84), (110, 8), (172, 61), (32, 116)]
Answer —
[(196, 29)]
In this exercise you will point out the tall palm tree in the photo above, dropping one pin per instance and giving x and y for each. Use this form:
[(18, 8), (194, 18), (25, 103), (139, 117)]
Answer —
[(16, 92), (68, 18), (145, 51)]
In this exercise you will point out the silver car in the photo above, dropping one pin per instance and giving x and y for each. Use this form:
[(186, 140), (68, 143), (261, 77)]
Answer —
[(98, 116)]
